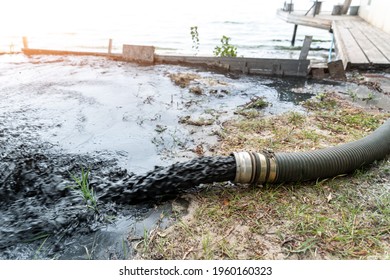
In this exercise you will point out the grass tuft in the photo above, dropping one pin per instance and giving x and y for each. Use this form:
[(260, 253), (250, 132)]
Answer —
[(83, 188)]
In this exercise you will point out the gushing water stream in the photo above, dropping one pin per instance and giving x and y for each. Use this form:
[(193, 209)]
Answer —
[(167, 182), (36, 202)]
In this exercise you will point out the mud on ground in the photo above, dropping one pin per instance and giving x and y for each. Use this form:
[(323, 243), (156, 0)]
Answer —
[(60, 115)]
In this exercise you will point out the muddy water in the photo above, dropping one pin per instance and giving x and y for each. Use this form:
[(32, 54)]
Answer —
[(61, 114)]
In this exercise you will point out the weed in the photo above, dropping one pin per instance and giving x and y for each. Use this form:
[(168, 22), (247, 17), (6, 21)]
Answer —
[(89, 255), (352, 94), (249, 114), (40, 247), (183, 80), (305, 246), (323, 102), (226, 49), (311, 135), (321, 96), (84, 190), (207, 247), (199, 122), (146, 240), (124, 248), (370, 96), (195, 39), (257, 102), (296, 118), (361, 120)]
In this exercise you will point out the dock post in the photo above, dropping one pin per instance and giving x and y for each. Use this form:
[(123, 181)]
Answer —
[(345, 7), (306, 47), (331, 48), (109, 46), (294, 35), (25, 43)]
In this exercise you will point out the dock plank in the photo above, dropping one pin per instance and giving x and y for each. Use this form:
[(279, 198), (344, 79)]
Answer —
[(311, 21), (349, 50), (380, 39), (362, 38), (358, 43), (340, 47)]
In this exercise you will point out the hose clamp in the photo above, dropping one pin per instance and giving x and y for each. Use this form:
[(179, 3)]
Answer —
[(254, 167), (243, 167)]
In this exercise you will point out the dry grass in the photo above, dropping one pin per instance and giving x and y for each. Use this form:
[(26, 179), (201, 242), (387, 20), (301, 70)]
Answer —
[(183, 80), (347, 217)]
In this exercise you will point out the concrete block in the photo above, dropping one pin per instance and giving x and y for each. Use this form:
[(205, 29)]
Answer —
[(140, 54)]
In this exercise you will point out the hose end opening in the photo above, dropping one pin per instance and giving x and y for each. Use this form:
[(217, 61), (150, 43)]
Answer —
[(254, 168)]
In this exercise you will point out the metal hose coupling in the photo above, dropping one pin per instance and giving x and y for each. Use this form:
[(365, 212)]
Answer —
[(254, 168)]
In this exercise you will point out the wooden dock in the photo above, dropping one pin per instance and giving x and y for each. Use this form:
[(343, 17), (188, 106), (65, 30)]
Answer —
[(359, 44), (300, 19), (245, 65), (29, 51), (145, 55)]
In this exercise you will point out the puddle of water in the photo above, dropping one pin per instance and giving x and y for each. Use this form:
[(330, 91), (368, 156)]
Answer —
[(60, 113)]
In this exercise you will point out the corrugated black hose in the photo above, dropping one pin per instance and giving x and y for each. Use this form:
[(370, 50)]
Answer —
[(311, 165)]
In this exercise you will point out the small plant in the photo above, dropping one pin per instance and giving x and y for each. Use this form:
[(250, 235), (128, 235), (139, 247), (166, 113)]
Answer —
[(257, 102), (352, 94), (226, 50), (321, 96), (195, 39), (146, 240), (207, 247), (296, 118), (85, 191), (369, 97), (46, 236), (124, 248), (249, 114)]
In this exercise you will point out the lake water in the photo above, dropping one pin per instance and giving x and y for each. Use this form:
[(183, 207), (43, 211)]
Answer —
[(252, 25)]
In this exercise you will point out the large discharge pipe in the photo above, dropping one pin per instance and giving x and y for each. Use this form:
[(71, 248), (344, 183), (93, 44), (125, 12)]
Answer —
[(253, 168)]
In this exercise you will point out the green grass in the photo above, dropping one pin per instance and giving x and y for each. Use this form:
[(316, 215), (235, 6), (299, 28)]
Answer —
[(40, 247), (83, 188), (207, 247), (301, 220), (124, 248), (256, 102), (248, 113), (295, 118), (352, 94)]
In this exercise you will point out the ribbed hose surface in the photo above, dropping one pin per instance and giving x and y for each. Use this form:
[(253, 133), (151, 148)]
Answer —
[(333, 161)]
